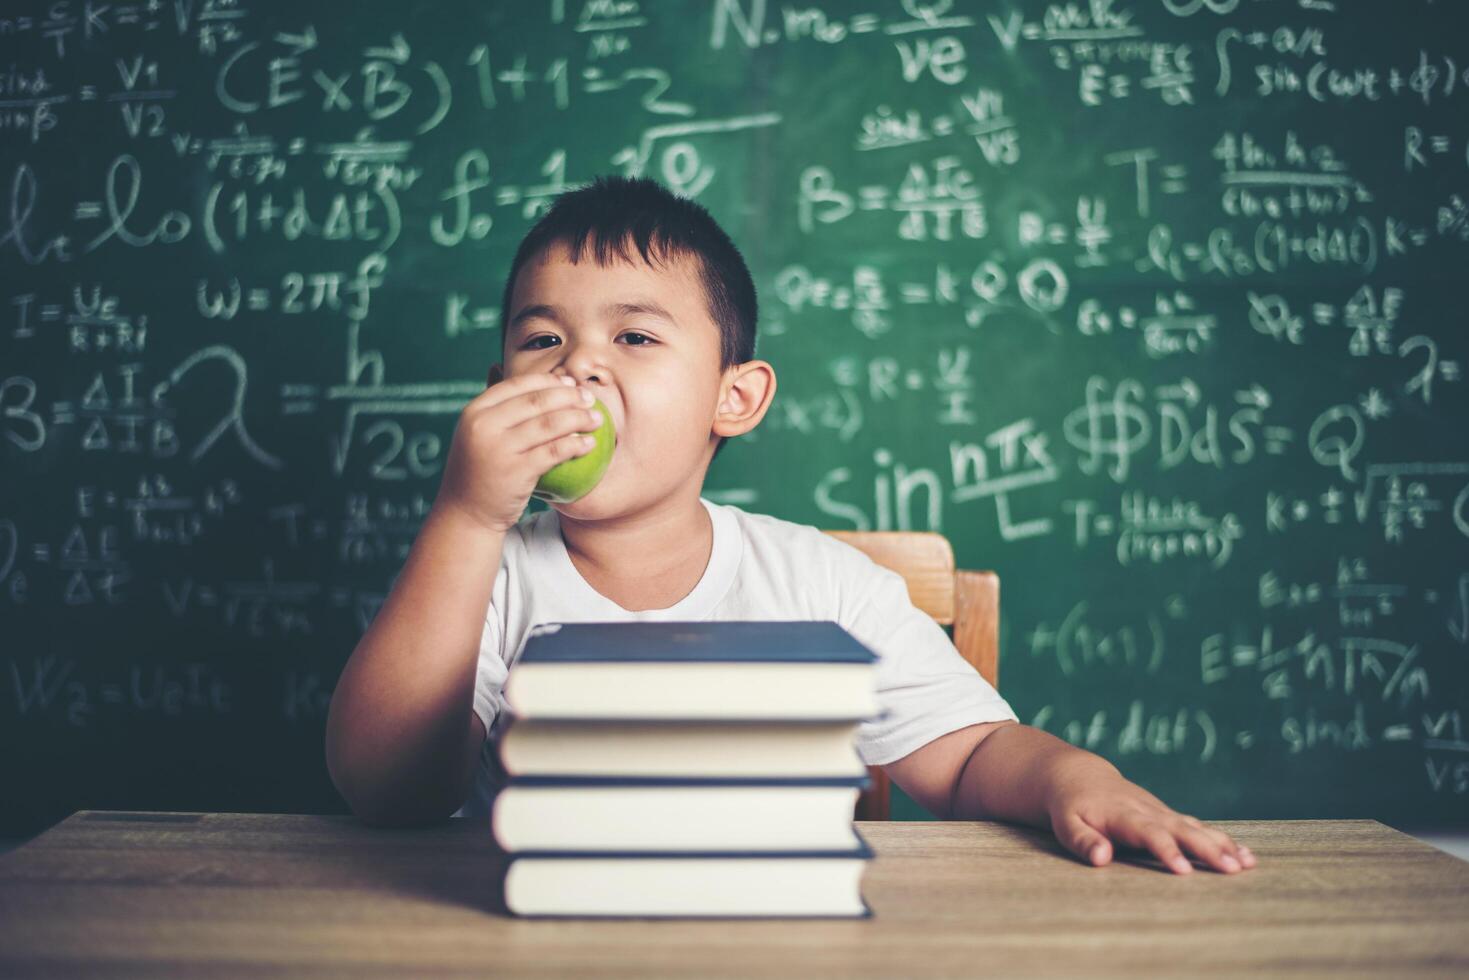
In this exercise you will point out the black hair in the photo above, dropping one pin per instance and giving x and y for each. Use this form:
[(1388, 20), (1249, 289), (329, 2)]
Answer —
[(613, 211)]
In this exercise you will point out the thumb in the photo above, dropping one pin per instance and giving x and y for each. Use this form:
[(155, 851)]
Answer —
[(1084, 840)]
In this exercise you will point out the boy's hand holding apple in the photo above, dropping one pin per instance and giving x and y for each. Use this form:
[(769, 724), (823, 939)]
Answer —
[(515, 433)]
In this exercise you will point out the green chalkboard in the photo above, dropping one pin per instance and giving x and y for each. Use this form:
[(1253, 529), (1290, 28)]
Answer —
[(1156, 308)]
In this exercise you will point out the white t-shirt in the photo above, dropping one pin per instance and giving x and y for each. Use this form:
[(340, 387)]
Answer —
[(761, 568)]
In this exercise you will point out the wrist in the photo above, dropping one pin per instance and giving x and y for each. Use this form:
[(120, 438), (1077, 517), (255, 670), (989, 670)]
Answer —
[(1077, 771), (455, 516), (461, 526)]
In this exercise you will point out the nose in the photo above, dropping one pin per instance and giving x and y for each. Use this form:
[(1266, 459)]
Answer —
[(581, 362)]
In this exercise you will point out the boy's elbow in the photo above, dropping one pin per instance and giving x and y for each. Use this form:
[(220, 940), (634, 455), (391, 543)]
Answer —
[(387, 789), (398, 817), (378, 803), (397, 807), (338, 762)]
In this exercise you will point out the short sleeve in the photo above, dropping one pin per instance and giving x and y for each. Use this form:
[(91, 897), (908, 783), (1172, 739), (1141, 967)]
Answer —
[(490, 674), (924, 686)]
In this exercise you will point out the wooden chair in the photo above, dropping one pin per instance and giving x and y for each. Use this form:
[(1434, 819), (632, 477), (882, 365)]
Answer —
[(968, 601)]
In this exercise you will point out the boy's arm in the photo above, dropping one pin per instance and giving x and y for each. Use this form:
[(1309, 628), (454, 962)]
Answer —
[(1012, 779), (402, 738), (1009, 771)]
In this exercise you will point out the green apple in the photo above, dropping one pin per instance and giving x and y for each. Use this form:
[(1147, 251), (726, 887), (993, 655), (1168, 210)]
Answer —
[(574, 478)]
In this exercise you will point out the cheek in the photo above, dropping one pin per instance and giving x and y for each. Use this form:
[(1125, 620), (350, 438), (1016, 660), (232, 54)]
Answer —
[(667, 418)]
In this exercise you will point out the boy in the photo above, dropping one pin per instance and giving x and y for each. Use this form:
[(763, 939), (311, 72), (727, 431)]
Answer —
[(628, 292)]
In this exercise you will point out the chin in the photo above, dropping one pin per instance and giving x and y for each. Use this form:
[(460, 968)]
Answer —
[(585, 509), (601, 503)]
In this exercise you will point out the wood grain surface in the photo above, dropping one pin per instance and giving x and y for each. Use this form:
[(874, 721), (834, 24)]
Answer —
[(170, 894)]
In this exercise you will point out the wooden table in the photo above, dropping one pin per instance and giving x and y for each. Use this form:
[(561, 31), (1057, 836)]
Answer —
[(158, 894)]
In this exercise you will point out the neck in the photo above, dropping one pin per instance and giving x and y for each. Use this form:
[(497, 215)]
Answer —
[(662, 540)]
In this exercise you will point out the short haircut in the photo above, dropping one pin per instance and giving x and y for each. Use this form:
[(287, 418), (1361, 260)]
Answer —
[(611, 212)]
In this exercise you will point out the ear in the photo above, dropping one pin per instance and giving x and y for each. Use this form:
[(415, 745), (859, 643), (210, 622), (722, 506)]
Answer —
[(497, 374), (745, 397)]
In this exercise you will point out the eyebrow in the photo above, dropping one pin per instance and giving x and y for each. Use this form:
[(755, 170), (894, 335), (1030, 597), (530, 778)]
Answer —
[(615, 310)]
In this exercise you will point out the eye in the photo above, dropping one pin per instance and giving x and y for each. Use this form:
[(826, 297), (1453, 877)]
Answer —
[(547, 337)]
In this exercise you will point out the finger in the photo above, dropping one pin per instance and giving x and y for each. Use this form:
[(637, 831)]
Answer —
[(1242, 854), (1162, 843), (1146, 833), (1206, 843), (1084, 840), (541, 429), (560, 450), (542, 401), (523, 384)]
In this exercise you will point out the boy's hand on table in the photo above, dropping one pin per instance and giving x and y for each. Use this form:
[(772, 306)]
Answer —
[(1092, 810)]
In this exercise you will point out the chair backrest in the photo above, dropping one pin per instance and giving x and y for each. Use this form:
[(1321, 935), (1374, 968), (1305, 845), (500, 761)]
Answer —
[(969, 601)]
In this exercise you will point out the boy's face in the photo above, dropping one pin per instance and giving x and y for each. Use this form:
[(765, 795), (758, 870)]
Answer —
[(642, 339)]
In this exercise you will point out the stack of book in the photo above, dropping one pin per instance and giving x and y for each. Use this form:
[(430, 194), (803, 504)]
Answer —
[(684, 769)]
